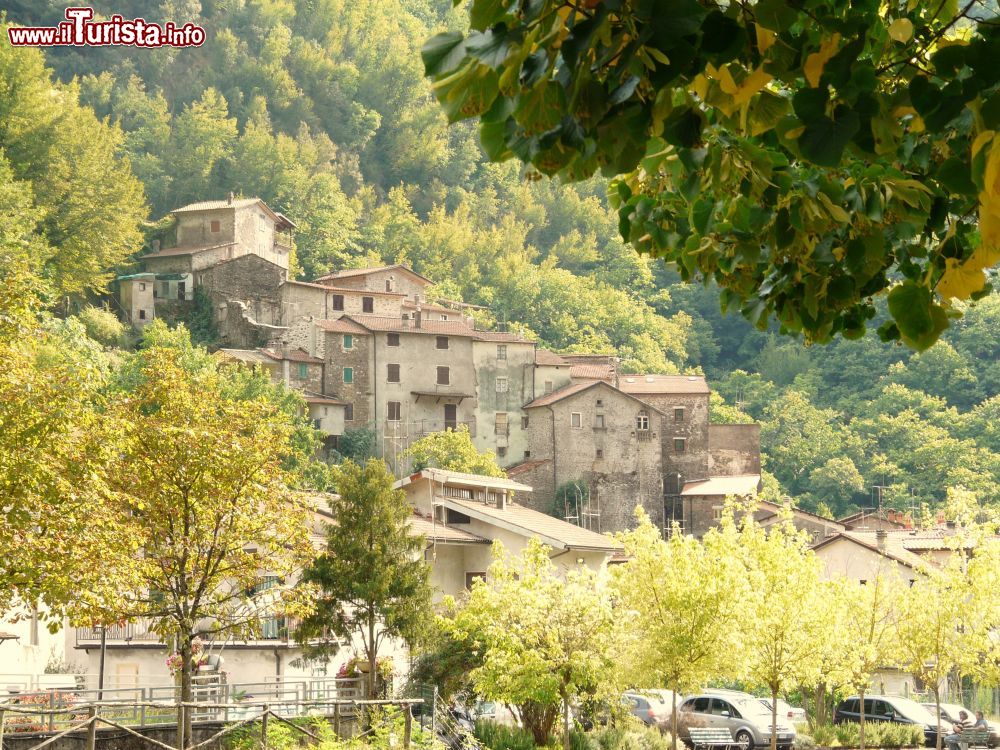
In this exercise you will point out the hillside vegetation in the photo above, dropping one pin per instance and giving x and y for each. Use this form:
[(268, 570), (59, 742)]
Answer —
[(320, 108)]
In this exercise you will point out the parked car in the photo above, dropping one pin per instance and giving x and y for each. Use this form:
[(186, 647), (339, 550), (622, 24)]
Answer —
[(949, 715), (648, 707), (742, 714), (889, 708), (785, 710)]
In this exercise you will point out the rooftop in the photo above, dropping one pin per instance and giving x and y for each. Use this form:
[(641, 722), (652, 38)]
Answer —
[(741, 484), (439, 532), (354, 272), (576, 388), (526, 466), (656, 384), (194, 250), (282, 221), (329, 288), (549, 358), (461, 479)]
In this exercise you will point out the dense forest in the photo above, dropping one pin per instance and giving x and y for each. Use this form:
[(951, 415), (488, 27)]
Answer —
[(320, 108)]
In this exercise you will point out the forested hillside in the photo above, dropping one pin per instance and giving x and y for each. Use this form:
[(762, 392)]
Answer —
[(320, 107)]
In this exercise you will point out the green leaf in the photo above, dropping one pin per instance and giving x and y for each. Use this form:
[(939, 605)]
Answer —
[(824, 140), (776, 15), (675, 18), (442, 52), (683, 127), (489, 47), (919, 318), (485, 13), (955, 175)]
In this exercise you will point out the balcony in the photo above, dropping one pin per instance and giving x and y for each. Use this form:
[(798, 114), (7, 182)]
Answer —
[(644, 436), (139, 631)]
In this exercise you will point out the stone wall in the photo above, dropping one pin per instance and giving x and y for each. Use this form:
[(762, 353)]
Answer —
[(734, 449), (300, 300), (691, 424), (194, 228), (401, 283), (313, 380), (516, 391), (245, 299), (359, 392)]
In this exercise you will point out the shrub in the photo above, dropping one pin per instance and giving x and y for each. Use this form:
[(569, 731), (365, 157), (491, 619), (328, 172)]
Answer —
[(632, 736), (499, 737), (580, 740), (102, 325), (849, 734), (825, 735), (804, 742)]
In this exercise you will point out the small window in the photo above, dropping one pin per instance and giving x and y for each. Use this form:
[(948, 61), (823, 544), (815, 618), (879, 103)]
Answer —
[(471, 578), (216, 227), (443, 376), (600, 453), (348, 375), (575, 419), (392, 373), (527, 454), (388, 285), (337, 300), (318, 424), (501, 351), (303, 371), (349, 412), (548, 386), (600, 402), (348, 341), (716, 512), (599, 421), (524, 423), (863, 582), (142, 315), (367, 304), (501, 423), (501, 384), (444, 317), (642, 421), (502, 451), (442, 342), (393, 410), (142, 286), (392, 339), (678, 413), (680, 445)]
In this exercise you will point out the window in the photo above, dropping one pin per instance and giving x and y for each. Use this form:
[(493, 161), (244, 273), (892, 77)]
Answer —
[(443, 376), (181, 290), (303, 371), (471, 578), (599, 422), (501, 351), (348, 341), (863, 582), (548, 386), (348, 375), (442, 342), (142, 315), (444, 317), (388, 285), (142, 286), (600, 402), (318, 424), (502, 451), (680, 445), (349, 412), (501, 423), (527, 454), (716, 512), (392, 373), (575, 419), (642, 421), (337, 301), (215, 227), (393, 410), (524, 423), (367, 304), (600, 453), (501, 384), (392, 339)]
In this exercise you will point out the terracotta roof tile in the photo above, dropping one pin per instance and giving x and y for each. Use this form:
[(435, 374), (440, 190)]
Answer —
[(351, 272), (550, 358), (171, 252), (592, 372), (342, 325), (420, 526), (526, 466), (559, 395), (743, 484)]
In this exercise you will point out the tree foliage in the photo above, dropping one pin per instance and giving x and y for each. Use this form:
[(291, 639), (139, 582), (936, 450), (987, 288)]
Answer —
[(371, 581), (804, 157), (453, 450)]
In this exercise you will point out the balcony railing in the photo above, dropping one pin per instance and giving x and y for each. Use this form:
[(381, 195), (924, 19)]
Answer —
[(137, 631)]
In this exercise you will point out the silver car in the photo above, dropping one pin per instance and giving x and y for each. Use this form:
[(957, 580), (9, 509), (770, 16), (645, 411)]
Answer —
[(744, 716)]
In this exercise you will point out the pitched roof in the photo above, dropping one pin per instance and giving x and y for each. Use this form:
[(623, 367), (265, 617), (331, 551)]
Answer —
[(280, 219), (526, 466), (384, 323), (439, 532), (655, 384), (342, 325), (798, 512), (462, 479), (249, 356), (576, 388), (552, 531), (352, 272), (194, 250), (501, 336), (559, 395), (294, 355), (549, 358), (329, 288), (314, 399), (742, 484), (593, 372), (890, 551)]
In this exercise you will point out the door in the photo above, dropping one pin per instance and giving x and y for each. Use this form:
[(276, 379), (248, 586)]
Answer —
[(450, 416)]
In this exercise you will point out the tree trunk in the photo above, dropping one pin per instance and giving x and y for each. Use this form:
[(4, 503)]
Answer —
[(184, 713), (372, 660), (937, 710), (774, 718), (538, 719), (861, 719), (673, 721), (565, 703)]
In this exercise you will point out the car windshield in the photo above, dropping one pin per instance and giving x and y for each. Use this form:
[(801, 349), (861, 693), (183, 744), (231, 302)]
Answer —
[(952, 709), (752, 707), (913, 711)]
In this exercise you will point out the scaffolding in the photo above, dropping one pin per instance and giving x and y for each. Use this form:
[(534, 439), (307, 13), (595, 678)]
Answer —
[(584, 510)]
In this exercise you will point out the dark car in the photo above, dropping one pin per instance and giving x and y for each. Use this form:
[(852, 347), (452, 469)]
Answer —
[(889, 708), (949, 715)]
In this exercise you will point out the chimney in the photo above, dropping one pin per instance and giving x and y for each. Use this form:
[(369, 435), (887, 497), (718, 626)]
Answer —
[(417, 315), (880, 535), (230, 198), (156, 246)]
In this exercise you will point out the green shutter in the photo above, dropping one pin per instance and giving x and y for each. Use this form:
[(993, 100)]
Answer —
[(348, 374), (303, 370), (348, 341)]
